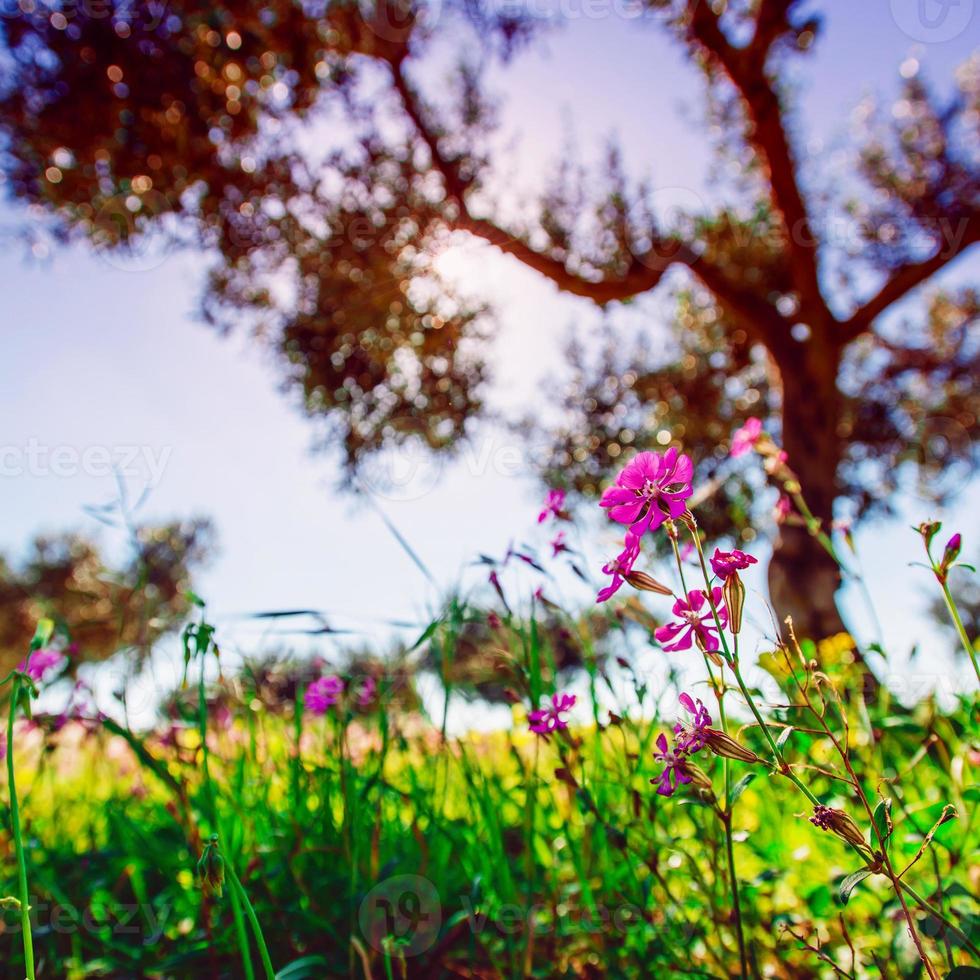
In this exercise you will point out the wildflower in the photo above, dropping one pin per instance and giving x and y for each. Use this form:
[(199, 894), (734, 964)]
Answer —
[(39, 662), (650, 489), (783, 509), (725, 563), (558, 544), (690, 737), (696, 623), (620, 567), (554, 504), (552, 718), (745, 437), (838, 822), (675, 772), (366, 695), (323, 694)]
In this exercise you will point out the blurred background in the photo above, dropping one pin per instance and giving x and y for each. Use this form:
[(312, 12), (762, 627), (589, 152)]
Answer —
[(306, 307)]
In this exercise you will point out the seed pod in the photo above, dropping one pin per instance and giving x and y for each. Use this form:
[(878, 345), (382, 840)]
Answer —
[(699, 777), (839, 823), (725, 746), (734, 592), (643, 582)]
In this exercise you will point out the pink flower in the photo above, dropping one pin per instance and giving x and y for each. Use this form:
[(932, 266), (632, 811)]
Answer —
[(690, 737), (39, 662), (649, 489), (744, 438), (620, 567), (366, 695), (552, 718), (674, 772), (725, 563), (783, 509), (558, 544), (554, 504), (695, 622), (323, 694)]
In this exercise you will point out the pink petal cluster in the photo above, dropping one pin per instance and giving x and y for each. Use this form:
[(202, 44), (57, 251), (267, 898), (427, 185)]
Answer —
[(619, 567), (367, 693), (688, 739), (649, 489), (554, 505), (552, 717), (745, 437), (39, 662), (726, 563), (323, 694), (695, 621), (558, 544)]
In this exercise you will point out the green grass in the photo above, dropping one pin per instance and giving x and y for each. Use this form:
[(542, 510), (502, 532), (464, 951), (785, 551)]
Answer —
[(512, 870)]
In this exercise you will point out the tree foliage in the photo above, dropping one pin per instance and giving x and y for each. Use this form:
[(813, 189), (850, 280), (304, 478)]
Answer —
[(104, 609), (321, 157)]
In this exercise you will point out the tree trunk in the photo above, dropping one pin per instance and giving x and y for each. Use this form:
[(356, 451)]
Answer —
[(803, 577)]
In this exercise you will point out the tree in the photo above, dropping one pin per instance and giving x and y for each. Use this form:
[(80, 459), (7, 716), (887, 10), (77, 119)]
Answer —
[(197, 120), (104, 610)]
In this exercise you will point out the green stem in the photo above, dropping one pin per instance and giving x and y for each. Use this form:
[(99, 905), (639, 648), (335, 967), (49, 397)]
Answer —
[(25, 906), (253, 920), (933, 911), (236, 910), (960, 628), (736, 906), (726, 819)]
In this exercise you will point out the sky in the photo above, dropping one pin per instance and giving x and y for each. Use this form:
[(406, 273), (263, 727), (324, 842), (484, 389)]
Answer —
[(103, 357)]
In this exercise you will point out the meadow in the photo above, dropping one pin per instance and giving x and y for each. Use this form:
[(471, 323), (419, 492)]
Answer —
[(295, 819)]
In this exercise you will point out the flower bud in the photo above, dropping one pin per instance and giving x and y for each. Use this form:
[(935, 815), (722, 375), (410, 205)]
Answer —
[(211, 868), (643, 582), (950, 553), (725, 746), (734, 592), (838, 822), (928, 530)]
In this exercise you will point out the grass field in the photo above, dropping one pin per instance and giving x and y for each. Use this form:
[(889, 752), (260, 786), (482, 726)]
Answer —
[(288, 821)]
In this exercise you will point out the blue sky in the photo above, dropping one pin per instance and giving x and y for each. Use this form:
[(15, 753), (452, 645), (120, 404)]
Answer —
[(98, 351)]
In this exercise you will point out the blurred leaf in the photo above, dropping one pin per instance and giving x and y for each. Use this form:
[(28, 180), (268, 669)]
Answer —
[(882, 823), (850, 883), (739, 788)]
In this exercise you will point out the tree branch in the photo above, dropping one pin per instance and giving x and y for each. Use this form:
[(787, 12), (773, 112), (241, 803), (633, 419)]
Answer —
[(758, 317), (746, 68), (907, 277)]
